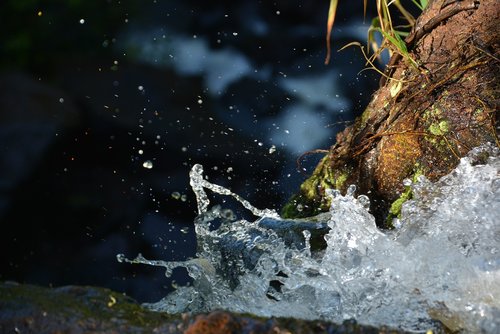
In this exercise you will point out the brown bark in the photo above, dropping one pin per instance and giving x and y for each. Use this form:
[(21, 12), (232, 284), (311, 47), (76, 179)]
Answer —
[(421, 120)]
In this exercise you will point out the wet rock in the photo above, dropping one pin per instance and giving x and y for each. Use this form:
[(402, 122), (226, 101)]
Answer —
[(417, 124), (78, 309)]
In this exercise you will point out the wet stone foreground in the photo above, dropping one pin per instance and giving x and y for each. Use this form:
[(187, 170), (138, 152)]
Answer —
[(79, 309)]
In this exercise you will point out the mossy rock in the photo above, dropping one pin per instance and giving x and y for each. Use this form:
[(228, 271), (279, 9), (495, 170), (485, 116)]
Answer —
[(428, 117), (30, 309)]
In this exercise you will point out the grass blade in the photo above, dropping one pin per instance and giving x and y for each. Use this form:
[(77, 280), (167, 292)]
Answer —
[(329, 26)]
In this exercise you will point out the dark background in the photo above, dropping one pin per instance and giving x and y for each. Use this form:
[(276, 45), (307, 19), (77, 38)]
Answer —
[(90, 91)]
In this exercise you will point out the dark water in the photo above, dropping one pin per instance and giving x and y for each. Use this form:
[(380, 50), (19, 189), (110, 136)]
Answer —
[(93, 94)]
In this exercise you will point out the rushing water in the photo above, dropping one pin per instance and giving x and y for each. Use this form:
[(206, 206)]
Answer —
[(442, 263)]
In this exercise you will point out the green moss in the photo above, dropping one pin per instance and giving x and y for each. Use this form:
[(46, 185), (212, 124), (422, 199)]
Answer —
[(433, 114), (88, 302), (364, 117), (311, 199), (407, 194), (395, 210), (296, 207), (439, 129), (340, 181)]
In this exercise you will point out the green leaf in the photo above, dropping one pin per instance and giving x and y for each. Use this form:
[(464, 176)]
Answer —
[(418, 4)]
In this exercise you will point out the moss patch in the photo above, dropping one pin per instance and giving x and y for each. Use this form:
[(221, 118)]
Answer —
[(407, 194), (440, 128), (311, 199)]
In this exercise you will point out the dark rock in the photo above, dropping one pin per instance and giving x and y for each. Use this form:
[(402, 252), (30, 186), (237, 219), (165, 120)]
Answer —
[(79, 309)]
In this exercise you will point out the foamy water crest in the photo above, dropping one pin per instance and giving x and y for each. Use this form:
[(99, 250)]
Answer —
[(442, 263)]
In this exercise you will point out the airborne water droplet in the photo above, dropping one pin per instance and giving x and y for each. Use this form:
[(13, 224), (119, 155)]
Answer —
[(148, 164)]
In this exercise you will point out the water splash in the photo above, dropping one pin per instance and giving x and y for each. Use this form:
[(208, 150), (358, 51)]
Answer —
[(198, 183), (441, 264)]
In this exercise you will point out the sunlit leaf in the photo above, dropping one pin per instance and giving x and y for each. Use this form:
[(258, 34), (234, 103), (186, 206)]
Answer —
[(331, 18), (400, 46)]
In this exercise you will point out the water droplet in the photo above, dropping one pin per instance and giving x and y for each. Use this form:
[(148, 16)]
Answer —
[(82, 21), (364, 201), (351, 190), (148, 164), (176, 195)]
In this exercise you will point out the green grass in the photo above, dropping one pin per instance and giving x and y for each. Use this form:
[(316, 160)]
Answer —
[(392, 38)]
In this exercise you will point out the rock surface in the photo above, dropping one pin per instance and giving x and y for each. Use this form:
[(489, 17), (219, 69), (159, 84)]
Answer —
[(79, 309)]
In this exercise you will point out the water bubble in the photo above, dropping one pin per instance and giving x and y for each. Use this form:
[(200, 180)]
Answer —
[(332, 193), (351, 190), (364, 201)]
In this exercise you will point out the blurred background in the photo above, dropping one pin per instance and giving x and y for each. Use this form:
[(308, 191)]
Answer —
[(106, 105)]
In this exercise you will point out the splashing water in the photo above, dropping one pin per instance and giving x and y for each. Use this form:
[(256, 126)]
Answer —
[(442, 263)]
